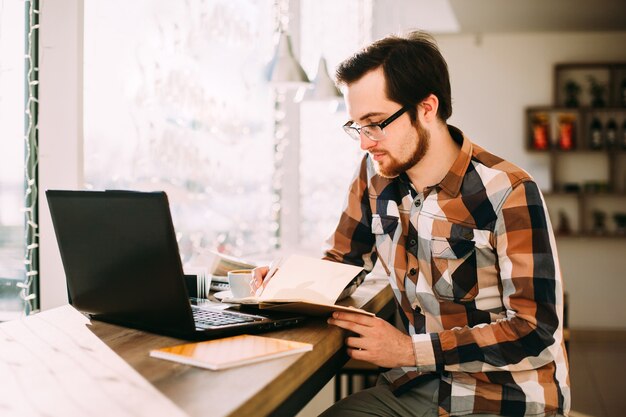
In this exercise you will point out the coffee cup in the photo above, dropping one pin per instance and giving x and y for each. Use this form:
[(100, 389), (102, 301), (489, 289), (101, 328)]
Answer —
[(240, 282)]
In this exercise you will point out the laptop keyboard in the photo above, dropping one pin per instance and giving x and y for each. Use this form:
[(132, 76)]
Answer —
[(211, 318)]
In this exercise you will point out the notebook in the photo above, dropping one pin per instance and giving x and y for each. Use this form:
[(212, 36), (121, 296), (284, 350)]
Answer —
[(231, 351), (122, 265)]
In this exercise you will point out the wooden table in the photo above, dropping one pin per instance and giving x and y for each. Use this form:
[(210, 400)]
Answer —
[(276, 387)]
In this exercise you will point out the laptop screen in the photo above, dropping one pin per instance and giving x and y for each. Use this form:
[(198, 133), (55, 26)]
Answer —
[(121, 257)]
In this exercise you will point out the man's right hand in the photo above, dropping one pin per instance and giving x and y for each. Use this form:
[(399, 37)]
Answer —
[(258, 275)]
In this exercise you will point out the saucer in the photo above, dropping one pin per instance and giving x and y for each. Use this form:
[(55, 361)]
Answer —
[(223, 294)]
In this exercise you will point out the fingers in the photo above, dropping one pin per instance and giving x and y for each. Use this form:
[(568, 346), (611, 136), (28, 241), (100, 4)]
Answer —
[(358, 343), (257, 276), (358, 354), (348, 325), (356, 347), (361, 319)]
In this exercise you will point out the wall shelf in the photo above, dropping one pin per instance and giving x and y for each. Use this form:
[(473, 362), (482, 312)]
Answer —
[(584, 135)]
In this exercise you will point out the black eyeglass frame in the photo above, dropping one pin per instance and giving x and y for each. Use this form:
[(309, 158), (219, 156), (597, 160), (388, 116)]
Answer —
[(351, 130)]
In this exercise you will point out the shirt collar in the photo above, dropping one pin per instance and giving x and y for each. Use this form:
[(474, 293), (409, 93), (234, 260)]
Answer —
[(451, 183)]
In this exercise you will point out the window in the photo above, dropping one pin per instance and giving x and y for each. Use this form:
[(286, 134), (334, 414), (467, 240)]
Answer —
[(175, 100)]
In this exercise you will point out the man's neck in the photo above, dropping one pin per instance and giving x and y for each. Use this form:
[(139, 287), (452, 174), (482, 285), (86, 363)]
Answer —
[(434, 166)]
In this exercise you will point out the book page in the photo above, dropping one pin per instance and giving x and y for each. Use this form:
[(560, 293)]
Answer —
[(230, 351), (301, 278)]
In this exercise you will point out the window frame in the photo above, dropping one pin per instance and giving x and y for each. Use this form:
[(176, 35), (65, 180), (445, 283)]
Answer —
[(60, 129)]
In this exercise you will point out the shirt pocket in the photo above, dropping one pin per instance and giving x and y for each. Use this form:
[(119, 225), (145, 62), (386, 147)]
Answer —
[(454, 269)]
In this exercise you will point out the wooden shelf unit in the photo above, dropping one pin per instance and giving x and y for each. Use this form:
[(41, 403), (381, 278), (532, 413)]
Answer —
[(576, 126)]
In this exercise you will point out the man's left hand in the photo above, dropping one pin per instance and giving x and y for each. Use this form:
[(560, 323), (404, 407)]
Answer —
[(379, 343)]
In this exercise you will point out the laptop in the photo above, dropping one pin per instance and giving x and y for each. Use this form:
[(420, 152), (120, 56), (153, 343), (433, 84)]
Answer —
[(122, 266)]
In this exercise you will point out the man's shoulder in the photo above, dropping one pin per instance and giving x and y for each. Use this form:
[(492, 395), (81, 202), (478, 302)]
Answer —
[(494, 165)]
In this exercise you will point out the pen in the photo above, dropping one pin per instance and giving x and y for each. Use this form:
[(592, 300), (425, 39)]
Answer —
[(273, 268)]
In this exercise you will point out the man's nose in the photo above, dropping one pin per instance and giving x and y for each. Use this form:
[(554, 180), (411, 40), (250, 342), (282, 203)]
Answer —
[(366, 142)]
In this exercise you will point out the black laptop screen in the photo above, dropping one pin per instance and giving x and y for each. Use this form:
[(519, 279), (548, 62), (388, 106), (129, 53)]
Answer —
[(121, 257)]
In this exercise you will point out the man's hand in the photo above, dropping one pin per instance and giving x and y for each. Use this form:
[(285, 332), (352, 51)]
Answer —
[(258, 275), (379, 343), (262, 275)]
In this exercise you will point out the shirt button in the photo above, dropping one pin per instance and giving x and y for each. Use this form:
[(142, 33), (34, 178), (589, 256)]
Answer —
[(413, 271), (418, 203)]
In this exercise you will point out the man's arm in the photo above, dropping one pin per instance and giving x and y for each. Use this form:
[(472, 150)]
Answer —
[(353, 242), (532, 294)]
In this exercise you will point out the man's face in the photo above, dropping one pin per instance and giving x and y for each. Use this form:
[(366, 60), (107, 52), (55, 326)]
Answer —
[(404, 145)]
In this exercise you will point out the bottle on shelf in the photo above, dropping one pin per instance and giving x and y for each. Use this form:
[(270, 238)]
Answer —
[(567, 134), (596, 140), (611, 133), (540, 132)]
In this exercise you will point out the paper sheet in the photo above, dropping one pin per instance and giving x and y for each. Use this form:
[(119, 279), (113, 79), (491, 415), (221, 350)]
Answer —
[(52, 365)]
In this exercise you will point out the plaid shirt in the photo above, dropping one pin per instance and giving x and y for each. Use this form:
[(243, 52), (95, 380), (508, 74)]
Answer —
[(473, 265)]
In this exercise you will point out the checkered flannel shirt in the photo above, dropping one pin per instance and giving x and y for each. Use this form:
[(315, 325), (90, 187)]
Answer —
[(473, 265)]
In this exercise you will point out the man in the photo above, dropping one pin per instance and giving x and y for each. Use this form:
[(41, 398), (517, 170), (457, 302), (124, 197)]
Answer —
[(466, 241)]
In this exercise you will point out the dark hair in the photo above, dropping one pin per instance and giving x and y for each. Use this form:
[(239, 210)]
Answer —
[(413, 68)]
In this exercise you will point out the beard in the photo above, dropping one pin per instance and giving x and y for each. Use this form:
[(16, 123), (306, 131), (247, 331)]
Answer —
[(395, 167)]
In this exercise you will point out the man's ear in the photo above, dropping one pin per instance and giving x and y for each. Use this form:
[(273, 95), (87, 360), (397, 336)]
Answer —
[(429, 107)]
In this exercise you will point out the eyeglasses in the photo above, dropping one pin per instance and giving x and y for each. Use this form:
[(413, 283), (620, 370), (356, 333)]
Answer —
[(374, 131)]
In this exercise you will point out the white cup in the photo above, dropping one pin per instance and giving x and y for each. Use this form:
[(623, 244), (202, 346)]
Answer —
[(240, 282)]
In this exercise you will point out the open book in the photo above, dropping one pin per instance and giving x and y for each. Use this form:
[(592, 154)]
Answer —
[(230, 351), (306, 285)]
